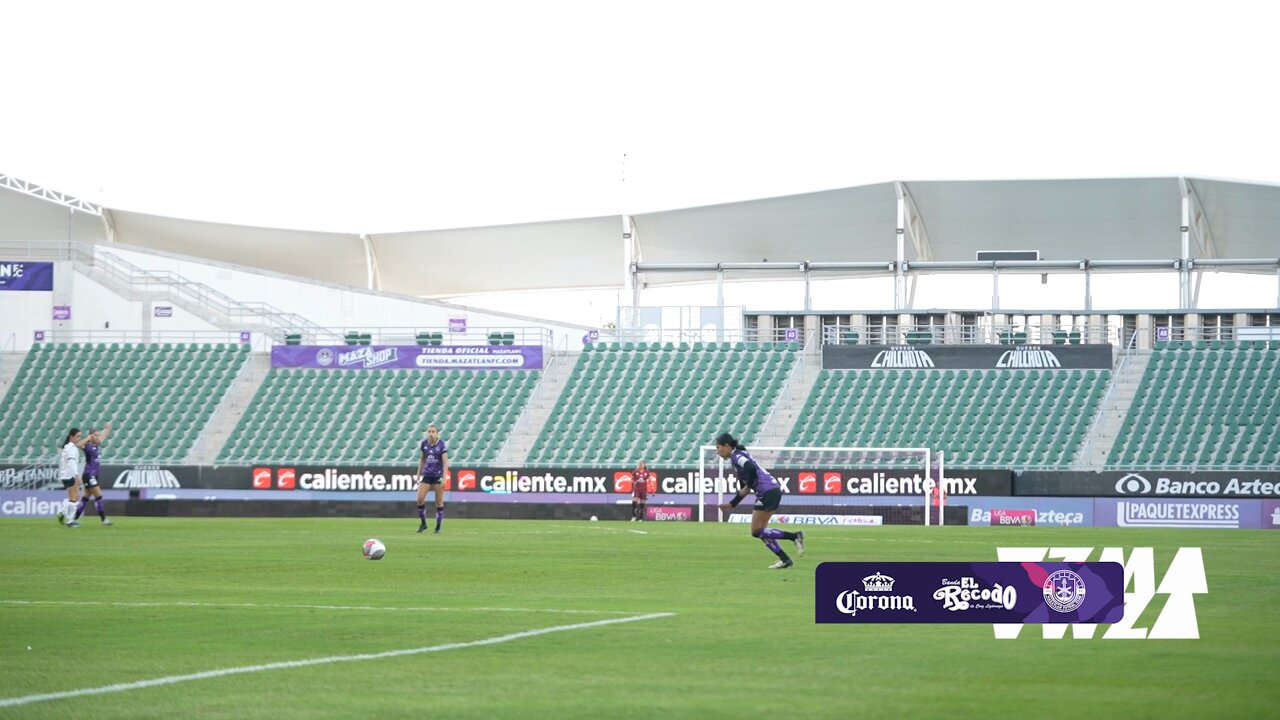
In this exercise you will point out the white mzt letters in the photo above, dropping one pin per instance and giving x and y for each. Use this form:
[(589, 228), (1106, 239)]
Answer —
[(1183, 580)]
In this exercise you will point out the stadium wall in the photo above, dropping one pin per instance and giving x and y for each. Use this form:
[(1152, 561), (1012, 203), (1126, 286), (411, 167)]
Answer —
[(93, 308)]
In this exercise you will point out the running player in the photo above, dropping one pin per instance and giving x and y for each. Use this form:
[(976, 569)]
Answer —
[(92, 448), (433, 468), (69, 474), (639, 491), (753, 478)]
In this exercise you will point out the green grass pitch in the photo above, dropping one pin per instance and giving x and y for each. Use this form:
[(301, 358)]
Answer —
[(156, 598)]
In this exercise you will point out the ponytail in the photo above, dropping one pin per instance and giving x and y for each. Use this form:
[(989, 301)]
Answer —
[(67, 439), (725, 438)]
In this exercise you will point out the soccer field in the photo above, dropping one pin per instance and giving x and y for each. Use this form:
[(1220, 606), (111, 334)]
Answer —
[(537, 619)]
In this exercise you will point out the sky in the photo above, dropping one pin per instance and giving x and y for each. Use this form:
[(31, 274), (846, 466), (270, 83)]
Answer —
[(386, 116)]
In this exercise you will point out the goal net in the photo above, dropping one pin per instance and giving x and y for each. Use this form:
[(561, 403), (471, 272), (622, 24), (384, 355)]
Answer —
[(838, 478)]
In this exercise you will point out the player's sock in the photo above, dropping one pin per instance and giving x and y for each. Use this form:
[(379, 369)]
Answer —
[(776, 549), (80, 507), (776, 534), (97, 503), (422, 515), (439, 517)]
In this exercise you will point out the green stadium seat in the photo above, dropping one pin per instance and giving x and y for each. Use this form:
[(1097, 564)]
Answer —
[(146, 390)]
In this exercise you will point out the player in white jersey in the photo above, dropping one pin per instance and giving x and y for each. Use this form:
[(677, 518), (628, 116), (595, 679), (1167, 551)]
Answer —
[(69, 474)]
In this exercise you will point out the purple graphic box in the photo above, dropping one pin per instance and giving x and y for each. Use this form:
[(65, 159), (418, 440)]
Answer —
[(457, 325), (386, 357), (26, 276), (979, 592), (164, 311), (61, 312)]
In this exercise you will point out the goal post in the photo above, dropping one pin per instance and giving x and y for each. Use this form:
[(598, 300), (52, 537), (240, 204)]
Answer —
[(820, 475)]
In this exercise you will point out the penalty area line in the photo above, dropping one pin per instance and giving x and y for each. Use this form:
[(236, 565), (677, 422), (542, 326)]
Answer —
[(286, 665)]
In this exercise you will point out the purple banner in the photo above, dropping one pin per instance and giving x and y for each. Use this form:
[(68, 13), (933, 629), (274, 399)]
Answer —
[(413, 357), (1271, 514), (44, 503), (1188, 513), (1002, 517), (164, 311), (26, 276), (61, 312), (1049, 510), (457, 325), (959, 592)]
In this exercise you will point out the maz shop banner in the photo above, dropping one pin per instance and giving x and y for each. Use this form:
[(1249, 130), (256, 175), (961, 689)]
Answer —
[(389, 357)]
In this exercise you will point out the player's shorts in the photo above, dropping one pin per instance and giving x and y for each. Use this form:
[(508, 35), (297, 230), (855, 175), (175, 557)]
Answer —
[(431, 480), (642, 494), (90, 481), (770, 500), (68, 482)]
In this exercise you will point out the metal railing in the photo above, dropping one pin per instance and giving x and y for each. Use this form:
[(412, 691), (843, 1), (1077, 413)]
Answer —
[(675, 335), (1214, 333), (200, 299), (195, 297), (981, 334), (428, 335), (1103, 406)]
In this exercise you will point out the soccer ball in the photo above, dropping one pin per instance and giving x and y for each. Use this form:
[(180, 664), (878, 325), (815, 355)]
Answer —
[(374, 549), (594, 518)]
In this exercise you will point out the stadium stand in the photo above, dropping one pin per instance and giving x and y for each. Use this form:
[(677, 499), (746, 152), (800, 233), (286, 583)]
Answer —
[(158, 397), (982, 418), (658, 402), (378, 416), (1204, 404)]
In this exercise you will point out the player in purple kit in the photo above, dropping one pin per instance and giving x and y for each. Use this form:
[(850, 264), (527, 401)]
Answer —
[(433, 468), (92, 449), (754, 478)]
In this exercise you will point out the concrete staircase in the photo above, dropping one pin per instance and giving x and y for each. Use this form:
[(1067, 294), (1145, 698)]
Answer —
[(787, 408), (536, 413), (224, 312), (1115, 406), (230, 410)]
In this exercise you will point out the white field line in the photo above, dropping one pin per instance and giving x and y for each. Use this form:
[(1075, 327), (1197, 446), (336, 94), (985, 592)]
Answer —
[(269, 606), (223, 672), (637, 532)]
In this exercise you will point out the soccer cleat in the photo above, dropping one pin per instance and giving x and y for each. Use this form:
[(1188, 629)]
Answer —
[(437, 531), (106, 522), (781, 565), (73, 523), (422, 528), (62, 518), (799, 541)]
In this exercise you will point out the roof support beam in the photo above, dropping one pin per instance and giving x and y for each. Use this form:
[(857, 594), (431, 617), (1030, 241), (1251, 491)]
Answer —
[(44, 193)]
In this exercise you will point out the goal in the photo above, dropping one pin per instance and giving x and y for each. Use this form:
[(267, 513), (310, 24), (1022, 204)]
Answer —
[(832, 476)]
